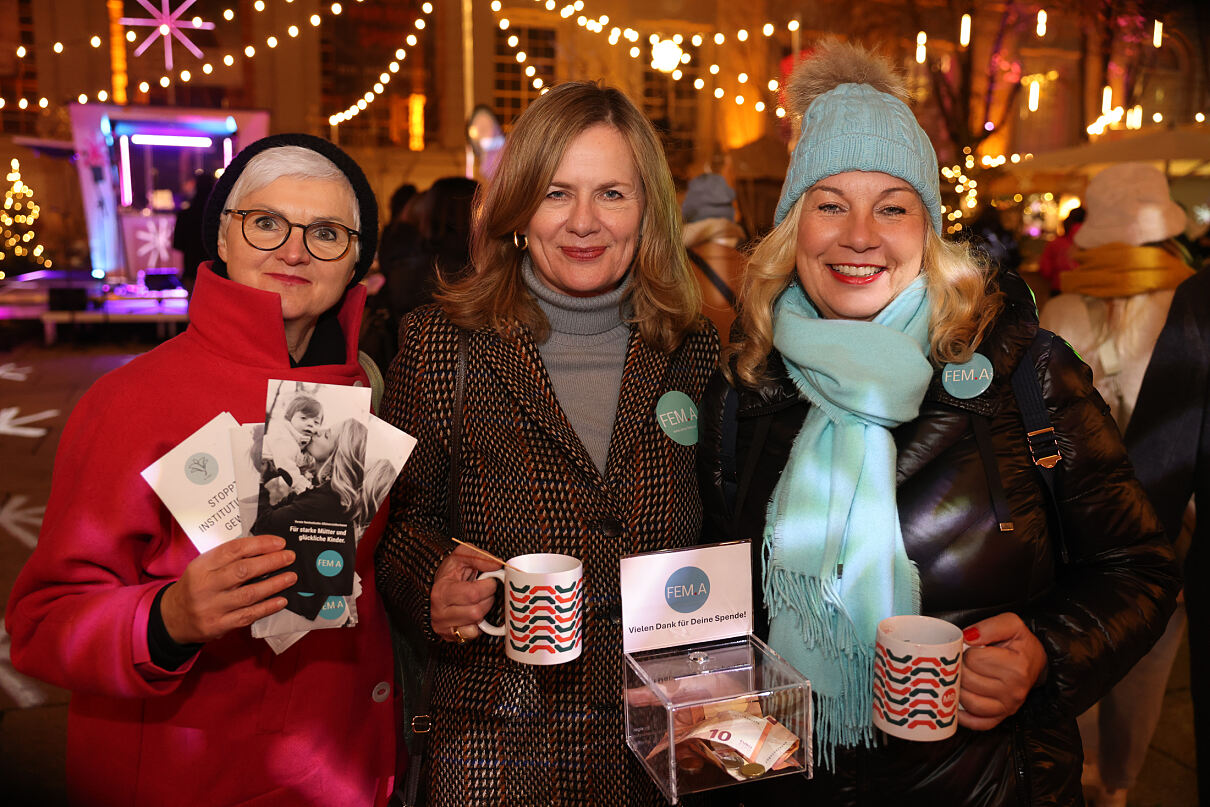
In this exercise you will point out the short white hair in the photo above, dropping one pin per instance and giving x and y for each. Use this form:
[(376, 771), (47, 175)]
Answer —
[(287, 161)]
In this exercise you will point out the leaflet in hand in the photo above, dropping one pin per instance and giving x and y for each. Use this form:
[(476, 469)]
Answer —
[(311, 486), (386, 450), (196, 481)]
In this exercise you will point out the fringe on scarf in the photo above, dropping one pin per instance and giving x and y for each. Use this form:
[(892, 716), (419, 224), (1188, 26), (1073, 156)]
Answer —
[(827, 629)]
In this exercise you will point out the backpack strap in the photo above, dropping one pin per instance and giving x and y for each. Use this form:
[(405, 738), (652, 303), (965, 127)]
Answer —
[(987, 453), (1039, 431)]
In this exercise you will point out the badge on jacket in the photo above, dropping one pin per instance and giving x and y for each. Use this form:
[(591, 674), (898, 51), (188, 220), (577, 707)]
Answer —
[(677, 415), (969, 379)]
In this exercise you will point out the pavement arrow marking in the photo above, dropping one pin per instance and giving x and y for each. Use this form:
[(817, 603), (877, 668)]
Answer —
[(11, 372), (16, 426), (22, 689), (16, 518)]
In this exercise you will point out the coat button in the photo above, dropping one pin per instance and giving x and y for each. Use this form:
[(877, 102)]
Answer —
[(615, 614), (381, 692), (610, 527)]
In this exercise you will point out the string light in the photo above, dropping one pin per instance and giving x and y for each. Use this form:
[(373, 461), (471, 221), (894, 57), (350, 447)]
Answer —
[(1041, 28), (384, 77), (964, 35)]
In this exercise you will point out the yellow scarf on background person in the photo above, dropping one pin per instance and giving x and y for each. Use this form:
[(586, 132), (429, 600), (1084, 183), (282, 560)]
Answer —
[(1121, 270)]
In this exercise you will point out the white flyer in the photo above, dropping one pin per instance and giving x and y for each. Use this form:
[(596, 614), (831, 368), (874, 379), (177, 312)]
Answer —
[(684, 596), (196, 481), (387, 449)]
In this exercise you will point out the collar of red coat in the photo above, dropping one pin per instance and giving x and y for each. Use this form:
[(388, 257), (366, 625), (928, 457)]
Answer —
[(222, 311)]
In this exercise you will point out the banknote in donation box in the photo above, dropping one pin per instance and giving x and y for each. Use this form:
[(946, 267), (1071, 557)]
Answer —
[(707, 703)]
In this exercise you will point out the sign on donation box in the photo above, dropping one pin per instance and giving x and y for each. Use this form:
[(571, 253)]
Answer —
[(707, 703)]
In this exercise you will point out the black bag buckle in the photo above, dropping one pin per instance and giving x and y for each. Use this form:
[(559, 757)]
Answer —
[(1044, 447), (422, 724)]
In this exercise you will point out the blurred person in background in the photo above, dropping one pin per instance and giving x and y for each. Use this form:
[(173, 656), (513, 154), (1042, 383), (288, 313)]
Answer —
[(711, 238), (1058, 256), (1114, 304)]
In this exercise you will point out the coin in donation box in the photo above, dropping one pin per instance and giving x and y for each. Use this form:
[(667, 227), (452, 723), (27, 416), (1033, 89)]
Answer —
[(729, 758), (689, 761), (752, 769)]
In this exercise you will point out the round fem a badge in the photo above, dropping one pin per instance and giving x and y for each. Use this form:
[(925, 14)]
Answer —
[(969, 379)]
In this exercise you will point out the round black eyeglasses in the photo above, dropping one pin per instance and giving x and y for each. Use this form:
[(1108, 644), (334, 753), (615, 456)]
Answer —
[(266, 230)]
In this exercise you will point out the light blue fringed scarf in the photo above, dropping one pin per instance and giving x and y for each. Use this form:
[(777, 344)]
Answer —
[(834, 558)]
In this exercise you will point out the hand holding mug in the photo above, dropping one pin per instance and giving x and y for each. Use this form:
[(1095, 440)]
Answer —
[(1003, 663), (457, 600), (543, 608), (917, 667)]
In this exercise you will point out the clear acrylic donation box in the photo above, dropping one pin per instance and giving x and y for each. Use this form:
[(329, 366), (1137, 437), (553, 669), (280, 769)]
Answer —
[(707, 703)]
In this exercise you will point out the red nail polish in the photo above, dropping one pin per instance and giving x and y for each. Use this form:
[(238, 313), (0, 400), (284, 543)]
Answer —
[(971, 634)]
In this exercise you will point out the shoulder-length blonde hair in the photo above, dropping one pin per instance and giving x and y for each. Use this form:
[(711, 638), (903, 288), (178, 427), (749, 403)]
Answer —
[(663, 295), (962, 294), (345, 466)]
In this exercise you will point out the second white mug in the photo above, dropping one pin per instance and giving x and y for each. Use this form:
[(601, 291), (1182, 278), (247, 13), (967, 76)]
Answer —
[(917, 667), (543, 608)]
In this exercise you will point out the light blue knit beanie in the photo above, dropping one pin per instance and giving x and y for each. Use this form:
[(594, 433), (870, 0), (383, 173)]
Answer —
[(856, 125)]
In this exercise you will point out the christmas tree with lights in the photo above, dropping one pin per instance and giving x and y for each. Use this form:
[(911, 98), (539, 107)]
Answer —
[(19, 250)]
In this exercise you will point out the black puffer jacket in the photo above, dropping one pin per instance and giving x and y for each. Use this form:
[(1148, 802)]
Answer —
[(1095, 614)]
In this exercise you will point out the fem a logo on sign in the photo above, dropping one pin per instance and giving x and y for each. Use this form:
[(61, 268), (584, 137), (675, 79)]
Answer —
[(687, 589)]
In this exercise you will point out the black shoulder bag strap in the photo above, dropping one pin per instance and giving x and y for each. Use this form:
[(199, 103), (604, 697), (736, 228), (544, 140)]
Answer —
[(715, 279), (1039, 431), (422, 722)]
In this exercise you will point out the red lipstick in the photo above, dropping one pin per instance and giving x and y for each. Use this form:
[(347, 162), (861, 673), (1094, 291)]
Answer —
[(583, 253)]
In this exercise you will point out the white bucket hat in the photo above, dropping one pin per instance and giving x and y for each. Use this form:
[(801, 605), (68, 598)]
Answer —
[(1129, 204)]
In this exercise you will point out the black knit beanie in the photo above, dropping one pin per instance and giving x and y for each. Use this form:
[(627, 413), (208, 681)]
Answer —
[(352, 171)]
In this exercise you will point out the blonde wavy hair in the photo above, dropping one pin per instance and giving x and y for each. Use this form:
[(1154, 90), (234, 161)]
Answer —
[(662, 294), (963, 299), (344, 467)]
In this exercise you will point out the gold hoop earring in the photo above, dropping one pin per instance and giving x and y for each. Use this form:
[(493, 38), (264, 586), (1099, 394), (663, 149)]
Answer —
[(520, 241)]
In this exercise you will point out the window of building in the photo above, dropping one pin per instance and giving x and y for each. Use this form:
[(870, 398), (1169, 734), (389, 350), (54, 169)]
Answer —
[(672, 106), (18, 75), (517, 83), (355, 49)]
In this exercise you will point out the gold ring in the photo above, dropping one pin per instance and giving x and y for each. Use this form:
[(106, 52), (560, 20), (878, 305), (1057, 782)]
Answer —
[(461, 639)]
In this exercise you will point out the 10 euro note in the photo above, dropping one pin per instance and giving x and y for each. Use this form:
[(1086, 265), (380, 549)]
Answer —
[(743, 744)]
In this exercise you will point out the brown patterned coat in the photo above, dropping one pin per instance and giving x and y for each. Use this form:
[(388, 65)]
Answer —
[(508, 733)]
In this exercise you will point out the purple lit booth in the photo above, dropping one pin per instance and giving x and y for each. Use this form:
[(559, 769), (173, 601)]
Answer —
[(136, 167)]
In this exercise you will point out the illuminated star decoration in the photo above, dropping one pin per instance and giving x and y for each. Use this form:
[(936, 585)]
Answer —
[(155, 241), (168, 24)]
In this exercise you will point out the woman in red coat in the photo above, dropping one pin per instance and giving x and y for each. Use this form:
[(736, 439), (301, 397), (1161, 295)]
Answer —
[(173, 701)]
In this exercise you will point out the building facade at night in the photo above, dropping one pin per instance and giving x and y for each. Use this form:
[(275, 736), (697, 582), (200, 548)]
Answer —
[(394, 82)]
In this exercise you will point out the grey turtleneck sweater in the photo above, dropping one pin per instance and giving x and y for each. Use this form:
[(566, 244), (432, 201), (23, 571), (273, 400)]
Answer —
[(584, 357)]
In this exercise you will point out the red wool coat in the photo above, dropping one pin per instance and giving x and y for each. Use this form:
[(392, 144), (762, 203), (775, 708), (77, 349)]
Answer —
[(237, 724)]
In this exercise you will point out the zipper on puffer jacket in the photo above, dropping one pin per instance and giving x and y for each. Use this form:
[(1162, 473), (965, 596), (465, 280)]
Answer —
[(1020, 763)]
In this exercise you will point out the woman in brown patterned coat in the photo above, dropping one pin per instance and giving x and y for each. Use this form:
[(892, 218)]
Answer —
[(579, 315)]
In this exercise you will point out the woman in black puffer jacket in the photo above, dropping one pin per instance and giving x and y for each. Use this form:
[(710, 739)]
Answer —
[(861, 472)]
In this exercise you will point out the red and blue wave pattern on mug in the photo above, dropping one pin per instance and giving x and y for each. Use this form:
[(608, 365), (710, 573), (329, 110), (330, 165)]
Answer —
[(915, 691), (545, 619)]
